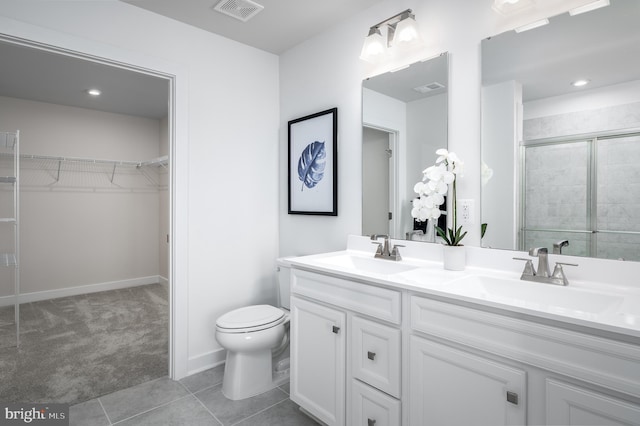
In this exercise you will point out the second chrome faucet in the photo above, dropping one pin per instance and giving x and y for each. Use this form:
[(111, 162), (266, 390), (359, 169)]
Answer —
[(384, 250), (542, 274)]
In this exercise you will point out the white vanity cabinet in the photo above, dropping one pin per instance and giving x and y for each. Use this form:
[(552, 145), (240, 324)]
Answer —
[(370, 354), (486, 368), (573, 405), (318, 360), (448, 386), (345, 346)]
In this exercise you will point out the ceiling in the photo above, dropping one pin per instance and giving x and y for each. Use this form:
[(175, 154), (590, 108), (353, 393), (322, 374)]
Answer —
[(38, 75), (602, 46), (43, 76), (402, 84), (281, 25), (612, 36)]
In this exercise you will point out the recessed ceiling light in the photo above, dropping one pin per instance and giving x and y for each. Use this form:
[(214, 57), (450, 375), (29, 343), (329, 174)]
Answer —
[(94, 92), (580, 83)]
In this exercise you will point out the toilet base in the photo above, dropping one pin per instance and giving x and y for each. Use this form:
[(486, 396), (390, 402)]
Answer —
[(250, 374)]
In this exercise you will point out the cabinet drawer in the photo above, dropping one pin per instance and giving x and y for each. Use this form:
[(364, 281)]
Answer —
[(376, 355), (378, 302), (372, 408)]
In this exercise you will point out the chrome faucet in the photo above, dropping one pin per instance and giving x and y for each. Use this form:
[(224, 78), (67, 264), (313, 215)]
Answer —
[(383, 251), (542, 275), (543, 260), (557, 247)]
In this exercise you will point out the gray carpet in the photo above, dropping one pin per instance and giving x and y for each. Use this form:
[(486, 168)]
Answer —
[(77, 348)]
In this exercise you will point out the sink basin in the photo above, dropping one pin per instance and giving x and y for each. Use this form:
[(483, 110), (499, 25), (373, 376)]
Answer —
[(573, 301), (366, 265)]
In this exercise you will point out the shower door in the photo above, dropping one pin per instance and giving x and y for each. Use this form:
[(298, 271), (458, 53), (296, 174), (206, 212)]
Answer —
[(585, 191)]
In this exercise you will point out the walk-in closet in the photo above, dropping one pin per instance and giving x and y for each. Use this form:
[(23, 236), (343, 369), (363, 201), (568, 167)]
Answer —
[(84, 227)]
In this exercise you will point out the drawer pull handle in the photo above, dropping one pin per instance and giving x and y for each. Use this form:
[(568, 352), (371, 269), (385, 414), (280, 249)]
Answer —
[(371, 356), (371, 422), (335, 329), (512, 397)]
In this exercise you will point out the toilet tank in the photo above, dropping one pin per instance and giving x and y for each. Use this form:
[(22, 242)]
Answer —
[(284, 282)]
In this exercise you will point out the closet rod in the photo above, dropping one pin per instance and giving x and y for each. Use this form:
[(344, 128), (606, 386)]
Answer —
[(156, 161)]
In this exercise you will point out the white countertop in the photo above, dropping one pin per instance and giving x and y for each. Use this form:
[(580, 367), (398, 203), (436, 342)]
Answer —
[(610, 308)]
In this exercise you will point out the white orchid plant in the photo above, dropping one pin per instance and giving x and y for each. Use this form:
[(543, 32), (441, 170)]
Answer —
[(431, 190)]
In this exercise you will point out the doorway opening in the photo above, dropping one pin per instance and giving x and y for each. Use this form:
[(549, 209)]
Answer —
[(379, 193), (97, 209)]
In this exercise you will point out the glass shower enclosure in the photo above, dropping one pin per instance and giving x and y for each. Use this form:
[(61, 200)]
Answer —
[(583, 191)]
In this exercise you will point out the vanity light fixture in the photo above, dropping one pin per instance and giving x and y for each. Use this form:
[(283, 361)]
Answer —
[(94, 92), (402, 30), (589, 7), (532, 25)]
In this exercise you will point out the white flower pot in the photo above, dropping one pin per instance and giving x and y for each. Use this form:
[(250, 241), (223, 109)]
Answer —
[(454, 257)]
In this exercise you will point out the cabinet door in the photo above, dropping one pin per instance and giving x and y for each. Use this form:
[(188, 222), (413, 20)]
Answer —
[(452, 387), (370, 407), (318, 360), (572, 405)]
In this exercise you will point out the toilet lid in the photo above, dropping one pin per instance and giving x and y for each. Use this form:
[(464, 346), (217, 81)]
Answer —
[(250, 316)]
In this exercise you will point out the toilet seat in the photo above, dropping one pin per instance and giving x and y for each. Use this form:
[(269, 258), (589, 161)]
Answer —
[(250, 318)]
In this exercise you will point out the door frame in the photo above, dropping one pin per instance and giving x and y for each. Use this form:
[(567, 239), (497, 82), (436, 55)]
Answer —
[(28, 35), (394, 184)]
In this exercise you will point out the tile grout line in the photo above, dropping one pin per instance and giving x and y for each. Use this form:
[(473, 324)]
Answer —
[(263, 410), (151, 409), (105, 412), (202, 403)]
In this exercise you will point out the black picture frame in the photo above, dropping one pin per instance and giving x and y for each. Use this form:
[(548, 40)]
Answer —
[(313, 164)]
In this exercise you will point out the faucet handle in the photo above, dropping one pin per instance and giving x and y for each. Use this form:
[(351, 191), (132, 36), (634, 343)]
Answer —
[(528, 268), (558, 273), (395, 253), (379, 249)]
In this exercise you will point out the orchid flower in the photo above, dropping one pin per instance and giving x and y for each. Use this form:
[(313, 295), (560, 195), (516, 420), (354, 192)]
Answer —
[(435, 184)]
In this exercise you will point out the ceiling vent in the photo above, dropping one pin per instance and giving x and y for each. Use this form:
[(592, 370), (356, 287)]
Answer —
[(239, 9), (426, 88)]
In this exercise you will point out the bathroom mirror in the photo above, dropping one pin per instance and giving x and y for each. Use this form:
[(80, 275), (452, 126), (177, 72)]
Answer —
[(404, 121), (561, 162)]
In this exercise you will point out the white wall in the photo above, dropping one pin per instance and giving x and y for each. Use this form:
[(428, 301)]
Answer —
[(228, 213), (326, 71), (501, 135), (426, 133), (82, 229)]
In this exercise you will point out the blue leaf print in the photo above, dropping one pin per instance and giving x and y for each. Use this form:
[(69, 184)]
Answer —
[(311, 164)]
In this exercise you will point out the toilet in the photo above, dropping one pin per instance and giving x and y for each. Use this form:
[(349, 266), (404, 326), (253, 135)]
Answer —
[(255, 337)]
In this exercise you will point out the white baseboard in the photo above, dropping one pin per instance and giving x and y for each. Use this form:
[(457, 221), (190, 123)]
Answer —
[(206, 361), (83, 289)]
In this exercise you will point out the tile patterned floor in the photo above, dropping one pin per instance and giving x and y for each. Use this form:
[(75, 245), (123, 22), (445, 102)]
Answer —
[(193, 401)]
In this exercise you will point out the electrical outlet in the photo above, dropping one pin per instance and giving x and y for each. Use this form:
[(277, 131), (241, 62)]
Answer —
[(466, 212)]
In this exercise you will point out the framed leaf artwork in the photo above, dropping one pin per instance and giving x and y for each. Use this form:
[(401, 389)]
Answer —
[(313, 164)]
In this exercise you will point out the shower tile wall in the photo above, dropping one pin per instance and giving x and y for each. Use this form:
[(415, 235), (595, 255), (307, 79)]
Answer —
[(556, 194), (625, 116), (619, 197), (557, 177)]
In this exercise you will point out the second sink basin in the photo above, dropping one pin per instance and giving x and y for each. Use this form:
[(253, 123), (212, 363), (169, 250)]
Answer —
[(577, 302), (366, 265)]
